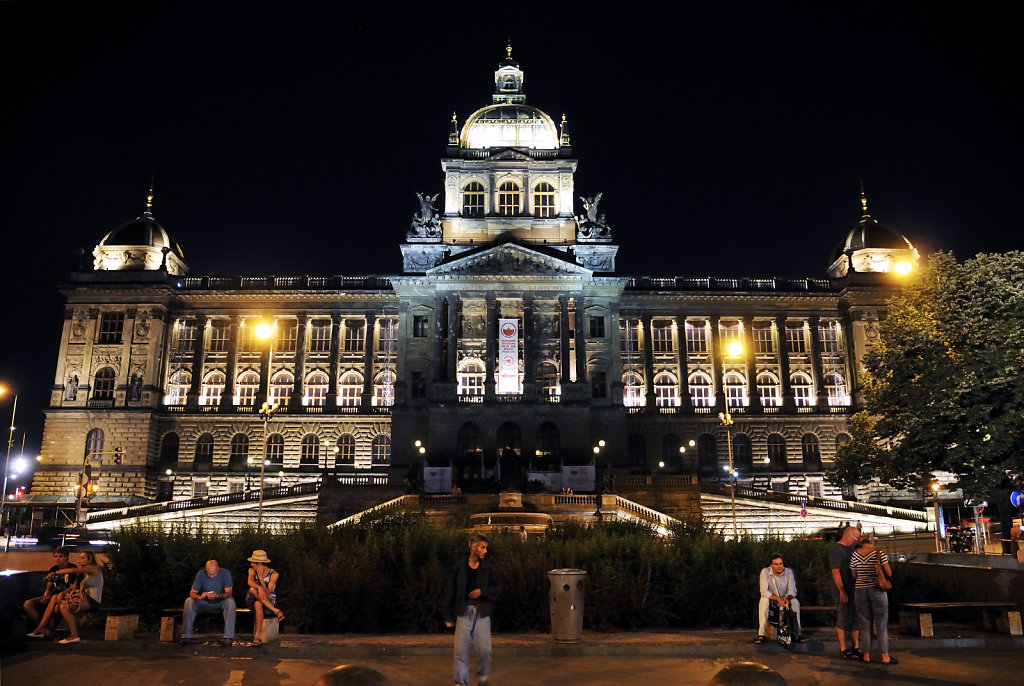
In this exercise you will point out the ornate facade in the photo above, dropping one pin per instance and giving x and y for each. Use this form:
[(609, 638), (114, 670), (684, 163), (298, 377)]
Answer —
[(508, 328)]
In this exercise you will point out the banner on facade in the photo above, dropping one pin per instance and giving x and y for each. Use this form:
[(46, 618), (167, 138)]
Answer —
[(437, 479), (580, 479), (508, 356)]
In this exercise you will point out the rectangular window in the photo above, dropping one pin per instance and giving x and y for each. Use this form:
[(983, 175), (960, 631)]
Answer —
[(597, 327), (219, 331), (111, 327), (200, 489), (796, 341), (186, 339), (629, 330), (236, 485), (320, 336), (696, 337), (418, 386), (287, 332), (828, 337), (763, 343), (420, 326), (387, 334), (661, 335), (355, 336), (730, 332)]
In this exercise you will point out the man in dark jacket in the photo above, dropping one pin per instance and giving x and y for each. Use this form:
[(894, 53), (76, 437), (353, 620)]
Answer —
[(472, 588)]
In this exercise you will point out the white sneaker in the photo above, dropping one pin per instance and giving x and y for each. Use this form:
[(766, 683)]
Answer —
[(37, 634), (69, 639)]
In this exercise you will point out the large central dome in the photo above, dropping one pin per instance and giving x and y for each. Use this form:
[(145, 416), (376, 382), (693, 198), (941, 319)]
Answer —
[(509, 125)]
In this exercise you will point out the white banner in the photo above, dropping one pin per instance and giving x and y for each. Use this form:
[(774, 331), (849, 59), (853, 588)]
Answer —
[(579, 479), (437, 479), (508, 356)]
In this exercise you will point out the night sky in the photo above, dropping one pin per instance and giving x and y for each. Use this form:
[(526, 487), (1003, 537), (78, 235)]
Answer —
[(290, 137)]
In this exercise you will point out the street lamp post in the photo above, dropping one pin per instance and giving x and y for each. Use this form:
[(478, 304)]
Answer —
[(7, 460), (734, 349), (266, 331)]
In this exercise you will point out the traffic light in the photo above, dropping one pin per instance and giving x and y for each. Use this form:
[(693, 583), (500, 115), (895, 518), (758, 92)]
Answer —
[(85, 482), (118, 454)]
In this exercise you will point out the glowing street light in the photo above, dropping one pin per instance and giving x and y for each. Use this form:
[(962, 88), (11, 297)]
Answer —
[(734, 349), (903, 267), (265, 331)]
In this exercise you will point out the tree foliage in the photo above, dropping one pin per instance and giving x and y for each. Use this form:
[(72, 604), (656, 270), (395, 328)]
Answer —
[(944, 387)]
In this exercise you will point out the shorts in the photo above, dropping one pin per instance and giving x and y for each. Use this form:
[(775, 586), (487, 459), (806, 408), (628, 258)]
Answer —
[(846, 614), (250, 602)]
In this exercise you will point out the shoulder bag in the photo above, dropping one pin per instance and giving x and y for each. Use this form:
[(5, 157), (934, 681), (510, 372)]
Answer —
[(881, 580)]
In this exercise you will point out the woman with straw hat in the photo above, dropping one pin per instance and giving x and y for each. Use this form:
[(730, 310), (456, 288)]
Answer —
[(262, 593)]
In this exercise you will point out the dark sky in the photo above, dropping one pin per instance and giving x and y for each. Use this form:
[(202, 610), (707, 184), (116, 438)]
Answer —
[(291, 137)]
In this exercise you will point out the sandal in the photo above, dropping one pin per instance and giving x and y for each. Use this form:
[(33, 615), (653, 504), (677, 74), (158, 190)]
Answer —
[(892, 661), (280, 616), (760, 639), (256, 643), (850, 654)]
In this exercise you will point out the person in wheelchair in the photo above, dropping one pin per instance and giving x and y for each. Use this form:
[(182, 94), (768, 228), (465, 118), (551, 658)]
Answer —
[(778, 585)]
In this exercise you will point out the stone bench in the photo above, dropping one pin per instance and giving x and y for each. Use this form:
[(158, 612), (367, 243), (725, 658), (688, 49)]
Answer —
[(170, 624), (120, 623), (1001, 617)]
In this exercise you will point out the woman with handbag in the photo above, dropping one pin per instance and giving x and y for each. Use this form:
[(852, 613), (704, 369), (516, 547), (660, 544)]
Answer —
[(871, 571), (85, 596)]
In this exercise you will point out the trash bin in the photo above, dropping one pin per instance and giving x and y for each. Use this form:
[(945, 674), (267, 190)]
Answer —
[(565, 599)]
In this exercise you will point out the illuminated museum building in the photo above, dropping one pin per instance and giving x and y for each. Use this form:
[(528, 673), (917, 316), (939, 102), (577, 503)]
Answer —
[(507, 327)]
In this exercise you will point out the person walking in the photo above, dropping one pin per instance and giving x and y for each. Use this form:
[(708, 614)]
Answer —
[(872, 602), (473, 587), (843, 593)]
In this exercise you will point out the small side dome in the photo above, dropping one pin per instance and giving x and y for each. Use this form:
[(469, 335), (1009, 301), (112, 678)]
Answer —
[(872, 247), (141, 244)]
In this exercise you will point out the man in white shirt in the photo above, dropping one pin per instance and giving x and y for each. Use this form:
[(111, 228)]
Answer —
[(777, 583)]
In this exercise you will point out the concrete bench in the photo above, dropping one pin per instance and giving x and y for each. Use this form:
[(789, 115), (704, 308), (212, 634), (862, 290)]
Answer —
[(120, 623), (1000, 617), (170, 624)]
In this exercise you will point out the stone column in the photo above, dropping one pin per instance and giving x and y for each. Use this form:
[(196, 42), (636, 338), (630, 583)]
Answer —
[(332, 372), (451, 372), (227, 400), (685, 402), (750, 358), (440, 335), (563, 338), (581, 343), (647, 339), (849, 363), (198, 358), (302, 331), (717, 361), (816, 368), (788, 402), (263, 393), (529, 373), (366, 399), (490, 336)]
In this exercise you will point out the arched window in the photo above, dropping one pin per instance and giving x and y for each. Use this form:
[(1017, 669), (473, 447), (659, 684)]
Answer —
[(471, 378), (543, 200), (346, 449), (776, 453), (384, 390), (666, 390), (204, 453), (547, 380), (707, 455), (213, 388), (469, 443), (509, 436), (548, 440), (700, 390), (275, 449), (169, 446), (381, 449), (735, 390), (842, 438), (803, 391), (310, 451), (245, 389), (350, 389), (473, 199), (633, 391), (768, 390), (670, 454), (239, 459), (178, 387), (509, 199), (94, 442), (742, 455), (811, 453), (836, 389), (281, 387), (103, 384), (315, 391)]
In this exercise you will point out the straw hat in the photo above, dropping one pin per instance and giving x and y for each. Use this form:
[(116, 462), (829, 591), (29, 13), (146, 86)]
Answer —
[(259, 556)]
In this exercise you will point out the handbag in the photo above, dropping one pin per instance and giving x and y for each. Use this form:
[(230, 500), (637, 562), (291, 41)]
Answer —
[(75, 600), (881, 580)]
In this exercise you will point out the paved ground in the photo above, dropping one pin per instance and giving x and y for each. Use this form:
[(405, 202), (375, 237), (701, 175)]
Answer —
[(658, 659)]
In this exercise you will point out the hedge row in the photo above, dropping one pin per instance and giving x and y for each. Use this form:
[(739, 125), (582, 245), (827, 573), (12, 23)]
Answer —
[(387, 575)]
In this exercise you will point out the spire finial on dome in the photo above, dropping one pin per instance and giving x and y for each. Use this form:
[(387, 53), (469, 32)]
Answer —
[(863, 201), (453, 135), (149, 198), (508, 48)]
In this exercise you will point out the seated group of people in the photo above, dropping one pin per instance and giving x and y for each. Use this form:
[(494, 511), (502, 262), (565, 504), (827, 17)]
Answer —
[(212, 593), (72, 589)]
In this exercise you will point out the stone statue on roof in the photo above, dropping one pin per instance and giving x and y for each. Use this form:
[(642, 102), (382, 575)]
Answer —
[(426, 224), (592, 225)]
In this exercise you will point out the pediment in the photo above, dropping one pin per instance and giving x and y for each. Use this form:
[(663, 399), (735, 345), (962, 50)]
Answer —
[(509, 259), (510, 154)]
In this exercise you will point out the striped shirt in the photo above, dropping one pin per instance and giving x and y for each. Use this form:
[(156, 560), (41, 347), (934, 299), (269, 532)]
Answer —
[(864, 567)]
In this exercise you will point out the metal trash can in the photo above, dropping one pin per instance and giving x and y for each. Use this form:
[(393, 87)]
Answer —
[(565, 599)]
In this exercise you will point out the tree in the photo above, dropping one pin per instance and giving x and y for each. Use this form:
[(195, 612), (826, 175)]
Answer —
[(944, 387)]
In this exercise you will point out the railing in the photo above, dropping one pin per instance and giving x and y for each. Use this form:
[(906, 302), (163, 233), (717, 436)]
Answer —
[(709, 283), (646, 480), (576, 500), (283, 282), (718, 488), (390, 506), (210, 501), (645, 513), (100, 402)]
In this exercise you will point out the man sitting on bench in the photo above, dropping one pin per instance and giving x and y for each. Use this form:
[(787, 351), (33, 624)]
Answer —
[(777, 583), (211, 593)]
